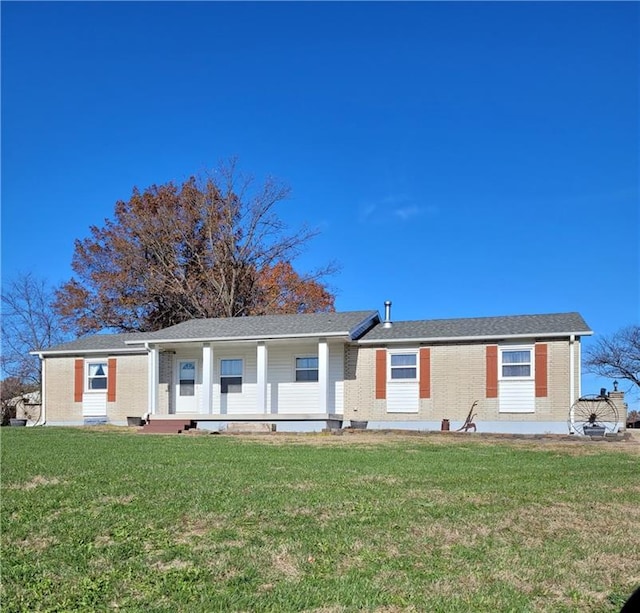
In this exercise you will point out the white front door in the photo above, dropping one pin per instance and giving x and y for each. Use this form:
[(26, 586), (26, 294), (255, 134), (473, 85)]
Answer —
[(186, 389)]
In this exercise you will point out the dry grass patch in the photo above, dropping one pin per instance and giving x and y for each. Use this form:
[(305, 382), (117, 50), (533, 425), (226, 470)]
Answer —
[(298, 486), (285, 563), (37, 481), (37, 543), (565, 444), (108, 500), (165, 567)]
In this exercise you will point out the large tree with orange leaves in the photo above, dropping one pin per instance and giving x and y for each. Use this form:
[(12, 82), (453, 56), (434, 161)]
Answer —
[(210, 247)]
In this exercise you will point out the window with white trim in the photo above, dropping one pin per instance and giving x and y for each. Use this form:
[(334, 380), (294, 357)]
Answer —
[(231, 376), (516, 363), (307, 368), (97, 375), (403, 366)]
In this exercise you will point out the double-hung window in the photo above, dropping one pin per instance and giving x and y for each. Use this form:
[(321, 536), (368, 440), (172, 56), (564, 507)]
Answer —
[(307, 368), (403, 366), (231, 376), (516, 363), (97, 376)]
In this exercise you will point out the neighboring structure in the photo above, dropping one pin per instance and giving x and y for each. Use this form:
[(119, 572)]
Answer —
[(27, 406), (304, 372)]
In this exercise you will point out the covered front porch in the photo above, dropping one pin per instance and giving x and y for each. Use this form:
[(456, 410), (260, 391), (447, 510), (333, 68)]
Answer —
[(279, 380)]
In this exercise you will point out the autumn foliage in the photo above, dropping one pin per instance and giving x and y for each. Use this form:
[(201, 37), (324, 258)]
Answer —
[(211, 247)]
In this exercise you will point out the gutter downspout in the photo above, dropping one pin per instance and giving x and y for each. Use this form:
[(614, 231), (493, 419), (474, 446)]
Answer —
[(150, 367), (43, 395), (572, 382)]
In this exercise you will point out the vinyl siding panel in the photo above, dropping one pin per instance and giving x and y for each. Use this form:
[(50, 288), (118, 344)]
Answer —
[(285, 395), (94, 404), (236, 403), (402, 397), (517, 397)]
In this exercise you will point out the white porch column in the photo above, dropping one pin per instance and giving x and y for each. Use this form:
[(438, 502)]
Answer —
[(207, 378), (323, 375), (261, 392), (153, 367)]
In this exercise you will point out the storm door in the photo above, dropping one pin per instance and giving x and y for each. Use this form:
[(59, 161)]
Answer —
[(186, 389)]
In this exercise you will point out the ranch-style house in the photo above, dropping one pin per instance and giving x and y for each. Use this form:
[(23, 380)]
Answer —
[(307, 372)]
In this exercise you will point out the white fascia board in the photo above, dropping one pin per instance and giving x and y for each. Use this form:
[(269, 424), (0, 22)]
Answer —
[(74, 352), (447, 339), (238, 339)]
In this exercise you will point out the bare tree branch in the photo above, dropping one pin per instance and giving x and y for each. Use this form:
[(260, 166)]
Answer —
[(616, 356), (29, 323), (211, 247)]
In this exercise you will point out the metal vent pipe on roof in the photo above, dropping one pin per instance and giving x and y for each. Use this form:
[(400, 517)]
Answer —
[(387, 315)]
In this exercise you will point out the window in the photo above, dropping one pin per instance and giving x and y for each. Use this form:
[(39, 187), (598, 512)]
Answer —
[(97, 376), (231, 376), (516, 363), (403, 366), (307, 369)]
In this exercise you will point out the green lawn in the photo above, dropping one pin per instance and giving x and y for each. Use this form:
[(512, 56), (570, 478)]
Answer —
[(98, 520)]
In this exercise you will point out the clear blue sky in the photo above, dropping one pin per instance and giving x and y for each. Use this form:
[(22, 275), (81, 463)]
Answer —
[(460, 159)]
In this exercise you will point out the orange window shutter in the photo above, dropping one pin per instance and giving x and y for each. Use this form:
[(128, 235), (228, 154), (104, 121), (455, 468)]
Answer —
[(78, 384), (381, 374), (425, 372), (541, 370), (492, 371), (111, 380)]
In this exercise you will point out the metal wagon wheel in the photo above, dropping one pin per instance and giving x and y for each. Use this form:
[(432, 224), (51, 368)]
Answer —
[(33, 415), (593, 415)]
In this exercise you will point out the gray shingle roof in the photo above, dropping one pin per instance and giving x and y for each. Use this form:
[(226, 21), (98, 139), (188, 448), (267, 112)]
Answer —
[(265, 326), (351, 323), (556, 324), (97, 342)]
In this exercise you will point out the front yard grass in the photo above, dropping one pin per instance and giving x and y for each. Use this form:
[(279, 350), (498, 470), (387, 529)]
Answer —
[(97, 520)]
